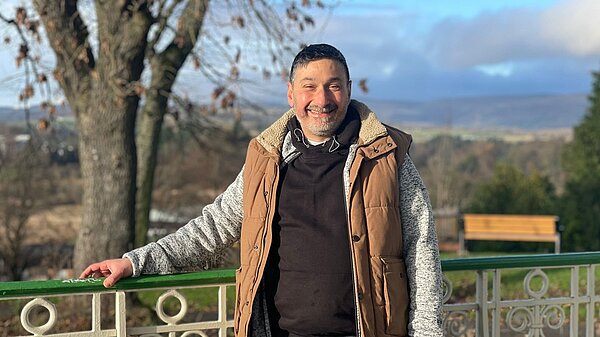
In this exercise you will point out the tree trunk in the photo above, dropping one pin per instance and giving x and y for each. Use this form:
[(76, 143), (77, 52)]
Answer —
[(150, 125), (108, 171), (164, 68), (102, 96)]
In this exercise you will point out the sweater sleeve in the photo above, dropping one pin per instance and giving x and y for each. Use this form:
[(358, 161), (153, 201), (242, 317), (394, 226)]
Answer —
[(421, 254), (199, 241)]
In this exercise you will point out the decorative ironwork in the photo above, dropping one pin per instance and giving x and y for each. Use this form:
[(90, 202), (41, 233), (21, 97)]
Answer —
[(446, 289), (41, 329), (456, 323), (160, 310), (478, 311), (535, 317)]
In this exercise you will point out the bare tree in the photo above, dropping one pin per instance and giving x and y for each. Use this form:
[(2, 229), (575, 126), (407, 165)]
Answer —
[(99, 67), (20, 183)]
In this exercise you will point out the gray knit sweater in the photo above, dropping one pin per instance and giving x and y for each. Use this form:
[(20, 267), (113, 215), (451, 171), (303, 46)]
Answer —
[(218, 227)]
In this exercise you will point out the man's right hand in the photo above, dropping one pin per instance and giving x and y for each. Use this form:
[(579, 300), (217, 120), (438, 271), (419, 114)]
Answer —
[(113, 270)]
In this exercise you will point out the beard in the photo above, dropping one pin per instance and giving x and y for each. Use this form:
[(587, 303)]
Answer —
[(322, 126)]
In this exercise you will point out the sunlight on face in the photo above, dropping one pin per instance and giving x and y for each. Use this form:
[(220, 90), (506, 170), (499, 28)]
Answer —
[(319, 95)]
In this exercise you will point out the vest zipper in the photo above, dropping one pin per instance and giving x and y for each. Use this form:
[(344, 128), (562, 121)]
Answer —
[(264, 236), (354, 282)]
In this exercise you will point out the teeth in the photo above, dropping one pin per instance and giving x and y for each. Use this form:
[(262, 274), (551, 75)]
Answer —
[(322, 110)]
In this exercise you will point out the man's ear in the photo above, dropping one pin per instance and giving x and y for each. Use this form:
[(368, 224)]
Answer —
[(290, 94), (349, 88)]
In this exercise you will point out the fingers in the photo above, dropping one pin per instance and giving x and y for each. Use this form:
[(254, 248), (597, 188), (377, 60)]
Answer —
[(113, 278), (91, 271), (113, 270)]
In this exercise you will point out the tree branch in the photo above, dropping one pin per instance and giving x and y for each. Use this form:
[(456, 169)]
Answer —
[(163, 17), (68, 36), (186, 36)]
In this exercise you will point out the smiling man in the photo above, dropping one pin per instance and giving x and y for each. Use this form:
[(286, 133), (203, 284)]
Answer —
[(335, 226)]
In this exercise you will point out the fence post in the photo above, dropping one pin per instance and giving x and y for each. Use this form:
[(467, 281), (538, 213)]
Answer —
[(482, 325), (120, 314)]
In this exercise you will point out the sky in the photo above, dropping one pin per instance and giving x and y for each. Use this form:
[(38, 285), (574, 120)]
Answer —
[(415, 50)]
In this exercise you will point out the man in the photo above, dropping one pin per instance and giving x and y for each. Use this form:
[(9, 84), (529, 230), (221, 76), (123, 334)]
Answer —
[(335, 226)]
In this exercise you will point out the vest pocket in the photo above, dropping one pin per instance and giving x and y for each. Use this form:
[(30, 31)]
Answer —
[(396, 297)]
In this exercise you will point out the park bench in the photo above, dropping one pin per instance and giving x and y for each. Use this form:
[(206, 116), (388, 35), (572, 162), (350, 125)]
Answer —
[(503, 227)]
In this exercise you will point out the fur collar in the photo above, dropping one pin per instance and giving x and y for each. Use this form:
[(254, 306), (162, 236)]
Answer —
[(370, 129)]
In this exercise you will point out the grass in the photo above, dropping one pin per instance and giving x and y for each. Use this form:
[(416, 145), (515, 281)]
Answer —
[(202, 302)]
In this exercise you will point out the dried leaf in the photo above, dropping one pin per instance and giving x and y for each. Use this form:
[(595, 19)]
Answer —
[(83, 56), (57, 74), (226, 39), (217, 92), (41, 78), (43, 124), (23, 50), (21, 15), (139, 89), (179, 41), (306, 3), (309, 20), (238, 54), (234, 74), (362, 84), (196, 62), (291, 14), (284, 74), (7, 39), (266, 74), (238, 21), (32, 26), (228, 100), (28, 91)]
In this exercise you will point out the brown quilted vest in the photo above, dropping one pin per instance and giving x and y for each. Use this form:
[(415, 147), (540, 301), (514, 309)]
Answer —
[(374, 233)]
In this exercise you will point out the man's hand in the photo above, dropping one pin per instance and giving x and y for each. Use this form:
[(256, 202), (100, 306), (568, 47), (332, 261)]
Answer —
[(113, 270)]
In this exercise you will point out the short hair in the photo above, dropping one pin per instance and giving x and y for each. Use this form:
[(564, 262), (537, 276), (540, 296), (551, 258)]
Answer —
[(316, 52)]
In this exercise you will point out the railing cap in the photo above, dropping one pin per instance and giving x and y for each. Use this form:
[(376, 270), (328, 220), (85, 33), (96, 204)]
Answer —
[(521, 261), (94, 285)]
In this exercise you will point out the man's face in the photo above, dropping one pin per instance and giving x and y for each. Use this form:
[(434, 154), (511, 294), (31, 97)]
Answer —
[(320, 94)]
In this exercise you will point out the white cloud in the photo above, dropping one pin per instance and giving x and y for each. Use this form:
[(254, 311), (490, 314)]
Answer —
[(569, 28), (500, 69), (574, 25)]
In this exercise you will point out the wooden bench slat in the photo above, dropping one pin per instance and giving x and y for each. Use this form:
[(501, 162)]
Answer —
[(500, 227), (537, 230), (508, 237)]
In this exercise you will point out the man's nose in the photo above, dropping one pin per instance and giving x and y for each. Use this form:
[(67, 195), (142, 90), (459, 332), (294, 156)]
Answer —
[(322, 97)]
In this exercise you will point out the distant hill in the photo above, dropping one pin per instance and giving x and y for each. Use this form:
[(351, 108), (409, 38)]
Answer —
[(516, 112), (500, 112), (10, 115)]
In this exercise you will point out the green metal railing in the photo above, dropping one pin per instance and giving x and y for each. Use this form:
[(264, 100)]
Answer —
[(483, 313), (94, 285)]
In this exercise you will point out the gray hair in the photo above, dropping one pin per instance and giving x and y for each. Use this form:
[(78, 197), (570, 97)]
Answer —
[(316, 52)]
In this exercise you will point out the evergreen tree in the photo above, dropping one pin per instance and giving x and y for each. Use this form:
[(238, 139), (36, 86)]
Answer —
[(510, 191), (581, 202)]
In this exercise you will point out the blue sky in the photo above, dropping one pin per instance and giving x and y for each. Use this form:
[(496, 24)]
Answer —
[(423, 50), (432, 49)]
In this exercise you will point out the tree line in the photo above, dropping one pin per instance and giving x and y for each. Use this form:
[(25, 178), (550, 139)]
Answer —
[(540, 177)]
